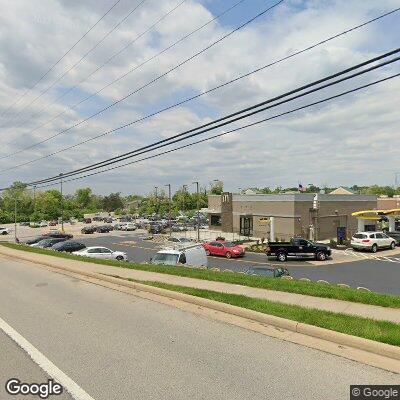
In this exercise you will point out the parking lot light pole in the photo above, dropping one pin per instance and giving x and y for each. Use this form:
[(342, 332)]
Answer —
[(169, 208), (184, 188), (62, 203), (156, 187), (198, 210)]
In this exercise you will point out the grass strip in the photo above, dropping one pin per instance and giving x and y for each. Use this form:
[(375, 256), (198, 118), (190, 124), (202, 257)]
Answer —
[(292, 286), (380, 331)]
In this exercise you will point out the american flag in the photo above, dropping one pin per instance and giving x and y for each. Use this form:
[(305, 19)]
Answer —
[(301, 188)]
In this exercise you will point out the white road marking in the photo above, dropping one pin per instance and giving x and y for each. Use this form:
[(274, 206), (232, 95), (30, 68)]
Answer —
[(45, 364)]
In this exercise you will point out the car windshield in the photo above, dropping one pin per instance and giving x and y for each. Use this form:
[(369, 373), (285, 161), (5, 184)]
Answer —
[(229, 244), (165, 258)]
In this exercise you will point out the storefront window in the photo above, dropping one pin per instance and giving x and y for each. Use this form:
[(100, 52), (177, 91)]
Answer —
[(215, 220)]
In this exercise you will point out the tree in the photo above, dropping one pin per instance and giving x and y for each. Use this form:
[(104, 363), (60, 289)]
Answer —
[(49, 204), (112, 202), (83, 197), (217, 188)]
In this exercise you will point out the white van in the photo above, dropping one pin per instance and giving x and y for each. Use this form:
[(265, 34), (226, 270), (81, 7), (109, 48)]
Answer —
[(189, 255)]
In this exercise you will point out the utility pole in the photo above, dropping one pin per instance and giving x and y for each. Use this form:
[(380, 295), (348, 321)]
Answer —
[(34, 198), (169, 208), (198, 210), (62, 204), (15, 219)]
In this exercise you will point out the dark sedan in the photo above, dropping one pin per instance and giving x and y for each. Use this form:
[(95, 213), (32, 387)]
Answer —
[(268, 272), (68, 246), (104, 228), (49, 242), (36, 240), (89, 229), (58, 234)]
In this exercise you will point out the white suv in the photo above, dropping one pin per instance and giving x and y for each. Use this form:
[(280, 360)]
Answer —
[(372, 241)]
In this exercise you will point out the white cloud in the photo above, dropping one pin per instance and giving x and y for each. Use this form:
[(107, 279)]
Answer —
[(350, 140)]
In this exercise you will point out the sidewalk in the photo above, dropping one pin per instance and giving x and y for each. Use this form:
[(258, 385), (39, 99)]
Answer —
[(340, 306)]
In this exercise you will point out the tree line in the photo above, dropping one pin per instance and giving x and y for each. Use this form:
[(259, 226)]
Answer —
[(48, 205)]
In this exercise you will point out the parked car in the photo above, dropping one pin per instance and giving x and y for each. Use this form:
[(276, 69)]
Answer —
[(193, 255), (58, 234), (35, 240), (48, 242), (395, 236), (372, 241), (102, 253), (269, 272), (222, 248), (118, 226), (34, 225), (4, 231), (24, 224), (87, 220), (53, 223), (43, 224), (299, 248), (108, 220), (179, 240), (68, 246), (128, 226), (104, 228), (156, 229), (88, 229), (178, 228)]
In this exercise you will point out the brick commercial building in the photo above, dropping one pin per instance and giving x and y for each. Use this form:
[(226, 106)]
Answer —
[(282, 216)]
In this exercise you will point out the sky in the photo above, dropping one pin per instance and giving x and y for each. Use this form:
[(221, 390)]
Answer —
[(349, 140)]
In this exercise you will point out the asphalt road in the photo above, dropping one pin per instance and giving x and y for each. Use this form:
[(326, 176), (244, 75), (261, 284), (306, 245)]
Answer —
[(378, 275), (118, 346), (15, 363)]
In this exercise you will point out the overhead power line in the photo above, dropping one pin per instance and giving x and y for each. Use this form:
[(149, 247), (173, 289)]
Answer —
[(188, 99), (60, 59), (253, 110), (69, 90), (253, 107), (44, 91), (159, 76), (225, 133)]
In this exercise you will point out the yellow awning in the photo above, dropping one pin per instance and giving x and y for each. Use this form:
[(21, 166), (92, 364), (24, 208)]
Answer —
[(375, 214)]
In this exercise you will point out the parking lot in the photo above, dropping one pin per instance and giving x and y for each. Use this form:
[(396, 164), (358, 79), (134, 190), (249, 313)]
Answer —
[(379, 272)]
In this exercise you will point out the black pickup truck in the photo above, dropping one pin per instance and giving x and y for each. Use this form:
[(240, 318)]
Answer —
[(299, 248)]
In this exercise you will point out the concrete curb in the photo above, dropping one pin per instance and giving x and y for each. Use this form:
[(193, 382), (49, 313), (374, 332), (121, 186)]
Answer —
[(382, 349)]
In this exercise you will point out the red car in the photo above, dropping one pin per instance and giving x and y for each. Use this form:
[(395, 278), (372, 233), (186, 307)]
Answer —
[(226, 249)]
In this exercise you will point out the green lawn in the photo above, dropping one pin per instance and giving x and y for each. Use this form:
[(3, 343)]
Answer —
[(380, 331), (294, 286)]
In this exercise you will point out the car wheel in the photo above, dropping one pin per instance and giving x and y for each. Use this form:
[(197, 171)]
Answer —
[(393, 245), (228, 254), (120, 258), (321, 256), (281, 257), (4, 233), (208, 253), (374, 248)]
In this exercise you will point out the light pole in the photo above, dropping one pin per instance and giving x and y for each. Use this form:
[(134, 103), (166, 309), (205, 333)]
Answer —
[(62, 204), (156, 187), (169, 207), (198, 210), (184, 188)]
